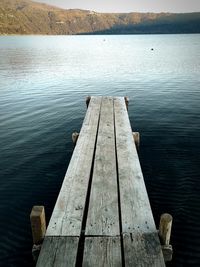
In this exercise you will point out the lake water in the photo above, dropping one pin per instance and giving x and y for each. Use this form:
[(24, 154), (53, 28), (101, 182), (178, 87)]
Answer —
[(43, 85)]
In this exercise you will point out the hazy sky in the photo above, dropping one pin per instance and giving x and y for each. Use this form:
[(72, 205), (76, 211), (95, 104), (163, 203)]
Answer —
[(129, 5)]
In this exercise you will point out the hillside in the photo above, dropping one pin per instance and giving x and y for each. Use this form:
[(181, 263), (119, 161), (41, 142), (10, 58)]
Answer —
[(27, 17)]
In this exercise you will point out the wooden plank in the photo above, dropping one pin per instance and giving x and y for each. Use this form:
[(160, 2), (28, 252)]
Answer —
[(58, 252), (103, 215), (136, 214), (142, 250), (102, 251), (67, 216), (135, 206)]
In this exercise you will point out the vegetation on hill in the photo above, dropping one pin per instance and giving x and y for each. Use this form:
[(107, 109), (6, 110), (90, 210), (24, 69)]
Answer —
[(27, 17)]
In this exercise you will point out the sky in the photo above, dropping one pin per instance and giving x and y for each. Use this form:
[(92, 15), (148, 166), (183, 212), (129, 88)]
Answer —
[(178, 6)]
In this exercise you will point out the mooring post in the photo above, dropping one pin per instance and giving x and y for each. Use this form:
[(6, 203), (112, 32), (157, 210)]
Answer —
[(75, 136), (136, 137), (126, 101), (88, 98), (38, 226), (165, 234)]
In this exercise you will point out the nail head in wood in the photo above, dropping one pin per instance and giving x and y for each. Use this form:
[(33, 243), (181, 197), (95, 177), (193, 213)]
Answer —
[(88, 98), (165, 228), (75, 136), (38, 224), (136, 136), (126, 101)]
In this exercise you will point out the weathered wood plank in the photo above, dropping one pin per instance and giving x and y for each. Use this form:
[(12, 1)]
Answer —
[(67, 216), (142, 250), (102, 245), (58, 252), (103, 215), (136, 214), (102, 251), (135, 206)]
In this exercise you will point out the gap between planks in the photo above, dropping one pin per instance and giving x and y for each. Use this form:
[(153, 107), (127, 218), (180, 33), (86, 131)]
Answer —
[(133, 218)]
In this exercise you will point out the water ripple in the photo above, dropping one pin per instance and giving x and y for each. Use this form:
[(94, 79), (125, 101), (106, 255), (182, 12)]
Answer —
[(43, 85)]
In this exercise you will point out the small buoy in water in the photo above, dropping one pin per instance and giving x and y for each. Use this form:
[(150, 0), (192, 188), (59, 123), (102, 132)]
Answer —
[(104, 40), (152, 49)]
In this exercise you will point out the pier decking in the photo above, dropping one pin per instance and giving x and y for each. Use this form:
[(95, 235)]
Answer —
[(102, 216)]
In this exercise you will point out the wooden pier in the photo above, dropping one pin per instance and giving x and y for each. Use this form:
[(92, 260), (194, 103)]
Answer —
[(102, 216)]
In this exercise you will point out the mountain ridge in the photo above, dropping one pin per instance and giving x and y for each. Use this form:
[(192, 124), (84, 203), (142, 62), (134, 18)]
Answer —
[(28, 17)]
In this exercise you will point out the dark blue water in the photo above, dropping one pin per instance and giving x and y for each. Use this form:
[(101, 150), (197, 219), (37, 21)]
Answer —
[(43, 85)]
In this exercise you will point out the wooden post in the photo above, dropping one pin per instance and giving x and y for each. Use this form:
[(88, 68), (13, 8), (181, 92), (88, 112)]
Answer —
[(38, 225), (126, 101), (164, 234), (75, 136), (136, 136), (88, 100), (165, 228)]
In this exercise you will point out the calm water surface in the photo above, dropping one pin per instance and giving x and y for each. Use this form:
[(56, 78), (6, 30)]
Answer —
[(43, 85)]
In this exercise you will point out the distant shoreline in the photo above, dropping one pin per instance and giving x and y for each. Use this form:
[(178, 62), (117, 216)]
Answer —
[(1, 35), (22, 17)]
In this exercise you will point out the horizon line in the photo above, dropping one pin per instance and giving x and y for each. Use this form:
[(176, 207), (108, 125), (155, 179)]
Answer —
[(113, 12)]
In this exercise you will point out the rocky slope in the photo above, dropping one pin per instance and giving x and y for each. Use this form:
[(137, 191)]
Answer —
[(27, 17)]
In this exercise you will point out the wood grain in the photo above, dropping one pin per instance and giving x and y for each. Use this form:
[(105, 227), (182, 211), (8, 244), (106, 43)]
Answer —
[(135, 206), (142, 250), (58, 252), (38, 224), (67, 216), (103, 215), (116, 171), (140, 238), (102, 252)]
